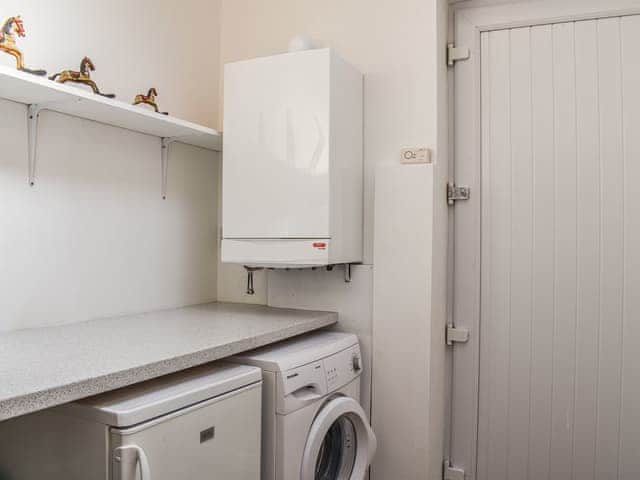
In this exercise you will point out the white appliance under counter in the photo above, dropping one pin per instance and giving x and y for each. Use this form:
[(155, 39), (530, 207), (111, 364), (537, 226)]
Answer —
[(46, 367), (200, 423)]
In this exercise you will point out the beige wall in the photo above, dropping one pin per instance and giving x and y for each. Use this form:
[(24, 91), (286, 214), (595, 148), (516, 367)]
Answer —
[(399, 46), (402, 302), (93, 238), (134, 45), (390, 41)]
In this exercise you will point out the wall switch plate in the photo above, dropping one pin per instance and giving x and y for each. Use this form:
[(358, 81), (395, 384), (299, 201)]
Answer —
[(415, 155)]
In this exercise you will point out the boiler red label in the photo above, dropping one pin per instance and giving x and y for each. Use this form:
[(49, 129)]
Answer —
[(320, 245)]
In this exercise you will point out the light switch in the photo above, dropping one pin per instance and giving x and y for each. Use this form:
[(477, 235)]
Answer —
[(415, 155)]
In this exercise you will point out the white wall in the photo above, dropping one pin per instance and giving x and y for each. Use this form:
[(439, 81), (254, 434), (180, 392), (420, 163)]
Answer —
[(389, 41), (402, 302), (93, 237), (324, 290), (399, 47), (134, 44), (97, 194)]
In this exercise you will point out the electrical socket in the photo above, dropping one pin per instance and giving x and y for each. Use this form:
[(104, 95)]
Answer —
[(415, 155)]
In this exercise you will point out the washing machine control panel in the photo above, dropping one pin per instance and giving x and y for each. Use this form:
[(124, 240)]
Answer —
[(342, 367), (308, 383)]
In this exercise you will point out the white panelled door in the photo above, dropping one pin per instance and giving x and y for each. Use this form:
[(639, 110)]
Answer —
[(551, 378)]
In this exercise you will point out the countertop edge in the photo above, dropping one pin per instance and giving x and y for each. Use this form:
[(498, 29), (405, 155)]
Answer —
[(41, 400)]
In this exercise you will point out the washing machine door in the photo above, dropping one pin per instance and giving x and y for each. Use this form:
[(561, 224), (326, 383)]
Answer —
[(340, 445)]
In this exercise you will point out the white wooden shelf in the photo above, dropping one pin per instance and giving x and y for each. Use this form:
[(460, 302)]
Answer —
[(33, 90), (40, 93)]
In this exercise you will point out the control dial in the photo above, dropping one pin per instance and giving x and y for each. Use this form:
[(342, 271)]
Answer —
[(357, 366)]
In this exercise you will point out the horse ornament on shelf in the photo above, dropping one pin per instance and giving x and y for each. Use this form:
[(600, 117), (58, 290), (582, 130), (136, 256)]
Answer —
[(83, 77), (11, 29), (149, 99)]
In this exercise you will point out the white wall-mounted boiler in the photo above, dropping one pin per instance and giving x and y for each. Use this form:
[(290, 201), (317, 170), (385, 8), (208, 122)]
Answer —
[(292, 161)]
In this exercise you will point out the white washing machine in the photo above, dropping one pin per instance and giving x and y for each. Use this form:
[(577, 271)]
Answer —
[(313, 425)]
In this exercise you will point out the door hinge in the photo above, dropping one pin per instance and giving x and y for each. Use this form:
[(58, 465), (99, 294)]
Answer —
[(456, 335), (449, 472), (457, 192), (455, 54)]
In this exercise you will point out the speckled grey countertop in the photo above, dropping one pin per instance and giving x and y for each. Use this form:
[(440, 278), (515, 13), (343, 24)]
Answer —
[(44, 367)]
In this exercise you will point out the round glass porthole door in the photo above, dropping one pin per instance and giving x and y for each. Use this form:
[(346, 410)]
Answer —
[(337, 454), (341, 443)]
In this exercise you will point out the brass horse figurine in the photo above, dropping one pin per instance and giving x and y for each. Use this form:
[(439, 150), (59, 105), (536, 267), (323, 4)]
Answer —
[(149, 99), (12, 28), (83, 76)]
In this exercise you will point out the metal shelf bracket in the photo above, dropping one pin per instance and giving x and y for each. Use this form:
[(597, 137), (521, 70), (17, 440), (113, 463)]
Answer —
[(166, 141), (33, 114)]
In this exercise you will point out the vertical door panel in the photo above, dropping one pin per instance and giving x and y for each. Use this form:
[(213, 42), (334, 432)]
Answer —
[(611, 278), (630, 401), (492, 460), (521, 253), (588, 249), (558, 387), (543, 259), (564, 275)]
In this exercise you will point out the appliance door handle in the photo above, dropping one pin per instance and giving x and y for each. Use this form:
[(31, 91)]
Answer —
[(127, 453), (307, 393)]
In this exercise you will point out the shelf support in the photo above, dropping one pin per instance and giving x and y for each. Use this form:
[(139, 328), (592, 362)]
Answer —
[(166, 141), (33, 114)]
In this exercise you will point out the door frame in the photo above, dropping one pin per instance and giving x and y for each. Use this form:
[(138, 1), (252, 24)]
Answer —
[(468, 21)]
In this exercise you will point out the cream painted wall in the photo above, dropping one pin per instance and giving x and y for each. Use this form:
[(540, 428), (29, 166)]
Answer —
[(96, 206), (134, 44), (94, 238), (402, 304), (399, 46), (391, 42), (327, 290)]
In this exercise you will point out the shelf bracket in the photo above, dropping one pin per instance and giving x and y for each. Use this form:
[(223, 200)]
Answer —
[(166, 141), (33, 114)]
